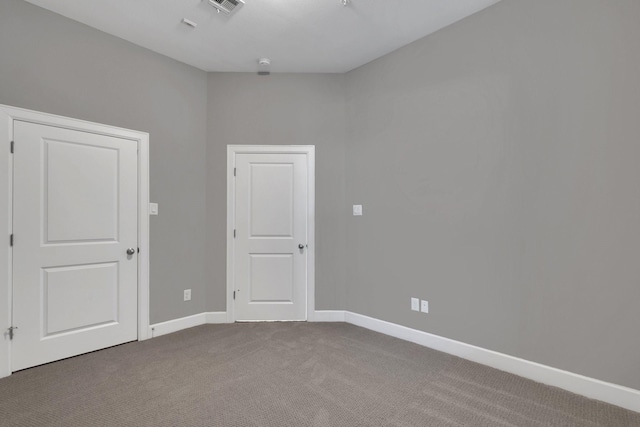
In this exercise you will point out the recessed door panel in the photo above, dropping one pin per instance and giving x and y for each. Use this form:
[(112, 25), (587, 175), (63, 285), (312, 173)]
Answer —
[(271, 193), (79, 297), (75, 215), (271, 278), (84, 177)]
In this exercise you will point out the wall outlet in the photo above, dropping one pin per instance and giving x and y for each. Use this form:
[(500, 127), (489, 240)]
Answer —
[(357, 210), (415, 304), (187, 294), (424, 306)]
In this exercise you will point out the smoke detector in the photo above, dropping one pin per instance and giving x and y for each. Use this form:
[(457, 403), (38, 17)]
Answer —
[(264, 66), (226, 6)]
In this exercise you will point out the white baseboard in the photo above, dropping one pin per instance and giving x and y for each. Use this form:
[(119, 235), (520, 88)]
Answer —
[(328, 316), (176, 325), (216, 317), (589, 387)]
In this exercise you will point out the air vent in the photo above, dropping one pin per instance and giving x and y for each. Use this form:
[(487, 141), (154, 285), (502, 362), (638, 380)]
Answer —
[(226, 6)]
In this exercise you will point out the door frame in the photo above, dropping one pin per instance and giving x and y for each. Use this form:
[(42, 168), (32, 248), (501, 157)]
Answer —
[(10, 114), (310, 152)]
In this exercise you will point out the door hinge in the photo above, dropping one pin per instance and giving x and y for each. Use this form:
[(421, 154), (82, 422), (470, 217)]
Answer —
[(234, 295), (12, 144), (234, 233), (234, 170), (11, 329), (138, 250), (11, 240)]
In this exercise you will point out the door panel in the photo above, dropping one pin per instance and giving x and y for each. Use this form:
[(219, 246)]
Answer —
[(271, 221), (271, 193), (85, 172), (271, 278), (79, 297), (75, 215)]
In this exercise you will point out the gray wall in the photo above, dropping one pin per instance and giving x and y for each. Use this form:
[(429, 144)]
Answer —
[(292, 109), (497, 162), (52, 64)]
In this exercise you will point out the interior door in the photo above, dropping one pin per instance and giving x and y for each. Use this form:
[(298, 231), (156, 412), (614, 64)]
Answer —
[(75, 247), (271, 237)]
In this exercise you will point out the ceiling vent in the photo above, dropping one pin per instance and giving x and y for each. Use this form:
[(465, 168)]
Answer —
[(226, 6)]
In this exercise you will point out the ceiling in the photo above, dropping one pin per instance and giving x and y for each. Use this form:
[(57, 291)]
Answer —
[(300, 36)]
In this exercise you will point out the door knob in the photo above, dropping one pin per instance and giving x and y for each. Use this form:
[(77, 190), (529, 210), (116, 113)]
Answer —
[(131, 251), (300, 246)]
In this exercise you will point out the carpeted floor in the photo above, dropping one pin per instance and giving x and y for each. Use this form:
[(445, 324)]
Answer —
[(286, 374)]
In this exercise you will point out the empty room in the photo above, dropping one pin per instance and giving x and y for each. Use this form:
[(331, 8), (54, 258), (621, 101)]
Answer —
[(319, 213)]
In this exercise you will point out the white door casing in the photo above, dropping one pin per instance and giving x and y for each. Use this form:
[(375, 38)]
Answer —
[(271, 239), (75, 212), (102, 273)]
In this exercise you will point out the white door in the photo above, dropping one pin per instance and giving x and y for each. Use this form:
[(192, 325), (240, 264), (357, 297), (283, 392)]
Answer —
[(75, 220), (270, 259)]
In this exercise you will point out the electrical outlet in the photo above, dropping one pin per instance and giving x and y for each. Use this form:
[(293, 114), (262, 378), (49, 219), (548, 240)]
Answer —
[(357, 210), (415, 304), (424, 306), (187, 294)]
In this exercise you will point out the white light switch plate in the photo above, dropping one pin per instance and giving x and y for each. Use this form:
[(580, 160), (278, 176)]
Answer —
[(153, 209), (357, 210), (415, 304)]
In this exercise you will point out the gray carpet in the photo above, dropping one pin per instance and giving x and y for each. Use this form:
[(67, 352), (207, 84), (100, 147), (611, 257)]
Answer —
[(286, 374)]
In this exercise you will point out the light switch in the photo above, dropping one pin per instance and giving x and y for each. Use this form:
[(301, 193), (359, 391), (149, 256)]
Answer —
[(357, 210), (153, 209)]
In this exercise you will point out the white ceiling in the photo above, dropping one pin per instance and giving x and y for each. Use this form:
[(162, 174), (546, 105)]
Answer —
[(319, 36)]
